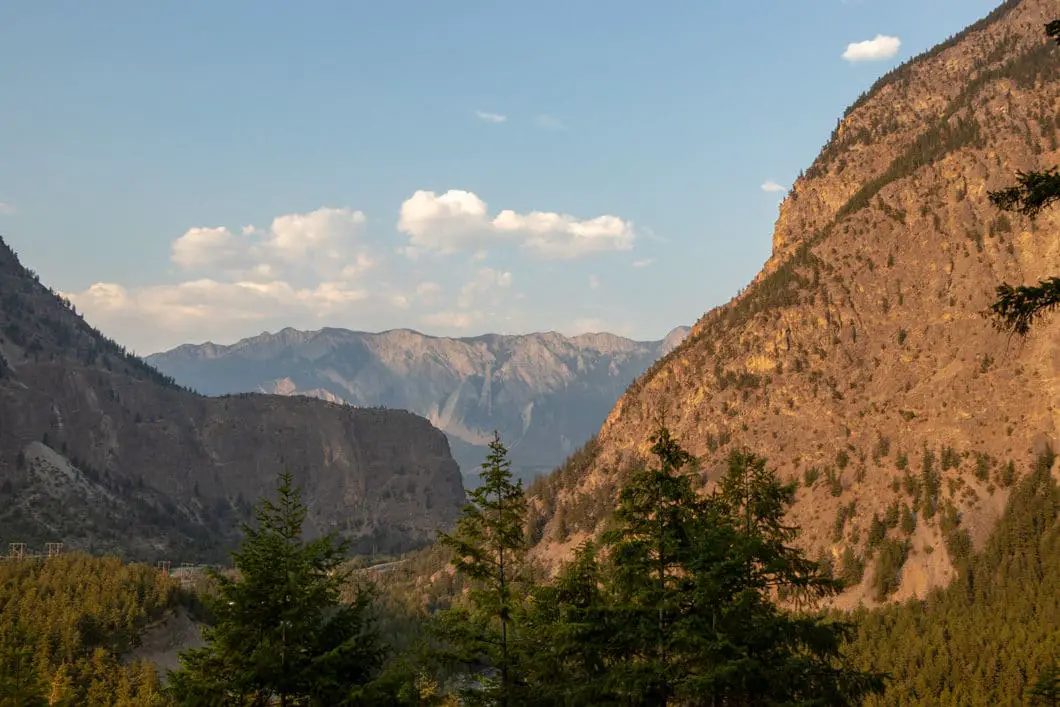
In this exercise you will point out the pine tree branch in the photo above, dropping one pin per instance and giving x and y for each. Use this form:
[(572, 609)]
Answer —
[(1017, 308)]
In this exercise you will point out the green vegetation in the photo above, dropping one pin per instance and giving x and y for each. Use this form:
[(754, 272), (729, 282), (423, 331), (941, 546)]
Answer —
[(67, 624), (489, 550), (990, 636), (280, 630)]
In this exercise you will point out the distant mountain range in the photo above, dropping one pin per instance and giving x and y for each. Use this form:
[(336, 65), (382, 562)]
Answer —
[(545, 393)]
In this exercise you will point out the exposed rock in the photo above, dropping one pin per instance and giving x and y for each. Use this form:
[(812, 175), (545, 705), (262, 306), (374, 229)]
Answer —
[(545, 393), (861, 343), (102, 452)]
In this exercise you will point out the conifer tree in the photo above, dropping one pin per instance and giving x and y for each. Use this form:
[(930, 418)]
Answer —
[(489, 549), (681, 610), (281, 632), (1017, 308)]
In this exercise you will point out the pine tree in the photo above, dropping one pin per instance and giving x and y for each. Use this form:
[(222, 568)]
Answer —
[(680, 610), (488, 548), (1017, 308), (280, 630)]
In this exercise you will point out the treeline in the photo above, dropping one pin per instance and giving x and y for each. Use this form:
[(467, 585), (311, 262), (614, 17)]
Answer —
[(676, 604), (67, 625), (993, 635)]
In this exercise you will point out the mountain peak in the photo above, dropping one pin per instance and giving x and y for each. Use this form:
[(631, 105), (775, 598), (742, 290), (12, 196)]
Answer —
[(857, 361)]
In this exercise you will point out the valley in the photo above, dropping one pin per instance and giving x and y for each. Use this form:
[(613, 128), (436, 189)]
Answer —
[(839, 487)]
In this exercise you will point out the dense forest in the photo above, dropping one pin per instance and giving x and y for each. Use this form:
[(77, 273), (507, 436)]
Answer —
[(68, 623)]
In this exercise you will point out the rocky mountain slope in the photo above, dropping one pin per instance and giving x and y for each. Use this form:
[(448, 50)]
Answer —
[(545, 393), (102, 452), (858, 360)]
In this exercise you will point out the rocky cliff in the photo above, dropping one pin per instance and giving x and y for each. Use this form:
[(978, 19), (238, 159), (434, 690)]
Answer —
[(545, 393), (858, 360), (102, 452)]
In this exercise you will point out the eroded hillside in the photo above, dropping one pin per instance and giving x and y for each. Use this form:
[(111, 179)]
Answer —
[(102, 452), (858, 360), (544, 392)]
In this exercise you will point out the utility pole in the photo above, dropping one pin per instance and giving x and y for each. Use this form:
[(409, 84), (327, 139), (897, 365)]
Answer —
[(53, 549), (16, 551)]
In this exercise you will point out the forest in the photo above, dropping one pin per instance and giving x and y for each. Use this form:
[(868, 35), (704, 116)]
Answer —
[(685, 600)]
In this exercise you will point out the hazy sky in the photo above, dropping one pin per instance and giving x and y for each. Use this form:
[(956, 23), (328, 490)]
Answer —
[(190, 171)]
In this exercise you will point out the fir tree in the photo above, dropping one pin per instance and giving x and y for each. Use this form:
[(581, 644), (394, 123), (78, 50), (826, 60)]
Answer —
[(1017, 308), (681, 608), (280, 630), (488, 548)]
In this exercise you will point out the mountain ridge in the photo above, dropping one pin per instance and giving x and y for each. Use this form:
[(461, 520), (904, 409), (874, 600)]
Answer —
[(101, 451), (857, 360), (543, 391)]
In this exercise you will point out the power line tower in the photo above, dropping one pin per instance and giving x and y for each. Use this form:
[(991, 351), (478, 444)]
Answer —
[(53, 549), (163, 566), (16, 551)]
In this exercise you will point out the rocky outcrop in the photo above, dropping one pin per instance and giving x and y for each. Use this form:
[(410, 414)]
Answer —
[(545, 393), (858, 360), (102, 452)]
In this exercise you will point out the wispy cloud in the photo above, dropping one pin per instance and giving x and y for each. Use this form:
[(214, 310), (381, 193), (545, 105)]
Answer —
[(549, 122), (6, 208), (488, 117), (643, 263), (879, 49), (772, 187)]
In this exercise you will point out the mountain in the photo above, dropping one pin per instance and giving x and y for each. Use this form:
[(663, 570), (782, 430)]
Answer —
[(545, 393), (858, 360), (100, 451)]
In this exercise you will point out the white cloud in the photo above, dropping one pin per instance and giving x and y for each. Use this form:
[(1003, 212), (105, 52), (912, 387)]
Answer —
[(643, 263), (459, 221), (771, 186), (490, 117), (163, 315), (6, 208), (326, 241), (880, 48), (549, 122)]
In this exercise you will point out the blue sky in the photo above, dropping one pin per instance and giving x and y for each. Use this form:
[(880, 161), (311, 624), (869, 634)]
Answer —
[(209, 170)]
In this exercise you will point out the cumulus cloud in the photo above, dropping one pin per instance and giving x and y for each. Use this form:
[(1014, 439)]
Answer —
[(771, 186), (163, 315), (460, 221), (880, 48), (326, 241), (488, 117)]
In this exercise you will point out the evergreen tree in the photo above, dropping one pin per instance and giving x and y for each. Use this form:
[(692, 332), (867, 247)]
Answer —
[(281, 632), (1046, 689), (1017, 308), (681, 609), (489, 547)]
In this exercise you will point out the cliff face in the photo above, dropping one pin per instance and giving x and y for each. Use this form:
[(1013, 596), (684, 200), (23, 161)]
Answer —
[(858, 360), (545, 393), (100, 451)]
